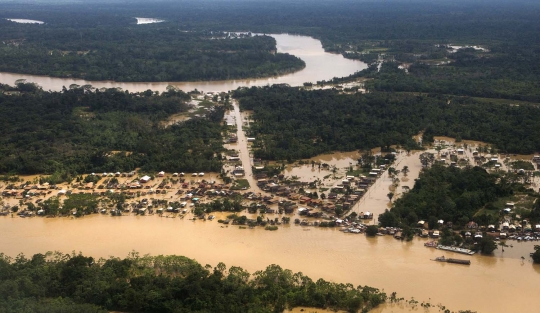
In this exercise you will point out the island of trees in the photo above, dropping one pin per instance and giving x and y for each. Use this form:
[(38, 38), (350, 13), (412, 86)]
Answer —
[(134, 53)]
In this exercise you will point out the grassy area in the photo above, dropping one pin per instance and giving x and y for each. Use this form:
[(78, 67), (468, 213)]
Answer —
[(493, 213), (358, 172), (503, 101), (240, 184), (202, 107), (520, 201), (526, 165), (488, 101)]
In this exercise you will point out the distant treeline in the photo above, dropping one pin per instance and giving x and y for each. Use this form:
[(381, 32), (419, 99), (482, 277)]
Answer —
[(292, 123), (342, 25), (76, 283), (180, 49), (507, 72), (82, 130)]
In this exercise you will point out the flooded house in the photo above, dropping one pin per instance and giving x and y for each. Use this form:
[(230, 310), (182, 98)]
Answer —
[(305, 200), (366, 215), (239, 171)]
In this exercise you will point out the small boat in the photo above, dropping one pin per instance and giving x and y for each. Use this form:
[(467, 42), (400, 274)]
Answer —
[(450, 260)]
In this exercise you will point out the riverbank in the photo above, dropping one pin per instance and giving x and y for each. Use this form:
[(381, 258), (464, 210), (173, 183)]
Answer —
[(320, 65)]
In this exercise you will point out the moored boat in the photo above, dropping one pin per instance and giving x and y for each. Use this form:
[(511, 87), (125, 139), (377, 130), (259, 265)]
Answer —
[(450, 260)]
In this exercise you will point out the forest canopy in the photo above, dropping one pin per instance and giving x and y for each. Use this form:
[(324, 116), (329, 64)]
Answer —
[(55, 282), (293, 123), (83, 130), (451, 194)]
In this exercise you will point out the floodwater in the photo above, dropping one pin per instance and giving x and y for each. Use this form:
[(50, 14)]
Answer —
[(24, 21), (376, 198), (320, 65), (490, 284), (500, 283), (242, 145), (503, 282), (146, 20), (308, 172)]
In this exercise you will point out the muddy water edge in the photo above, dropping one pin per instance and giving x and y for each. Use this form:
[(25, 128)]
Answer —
[(382, 262)]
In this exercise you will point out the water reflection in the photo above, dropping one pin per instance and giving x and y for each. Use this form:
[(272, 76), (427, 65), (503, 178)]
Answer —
[(146, 20), (24, 21), (536, 268)]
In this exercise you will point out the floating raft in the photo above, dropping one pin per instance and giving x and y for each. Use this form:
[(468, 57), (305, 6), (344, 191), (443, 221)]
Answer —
[(450, 260)]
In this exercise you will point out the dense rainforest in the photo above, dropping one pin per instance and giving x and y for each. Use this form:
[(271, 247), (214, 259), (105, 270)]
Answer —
[(432, 95), (293, 123), (83, 130), (75, 283)]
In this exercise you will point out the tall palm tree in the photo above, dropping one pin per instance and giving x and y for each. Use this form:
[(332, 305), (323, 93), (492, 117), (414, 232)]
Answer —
[(405, 170), (503, 245)]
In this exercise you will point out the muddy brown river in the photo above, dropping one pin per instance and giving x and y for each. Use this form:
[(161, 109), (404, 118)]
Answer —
[(490, 284)]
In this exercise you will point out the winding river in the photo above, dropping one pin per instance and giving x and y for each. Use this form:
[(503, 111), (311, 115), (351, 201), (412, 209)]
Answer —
[(500, 283), (320, 65)]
